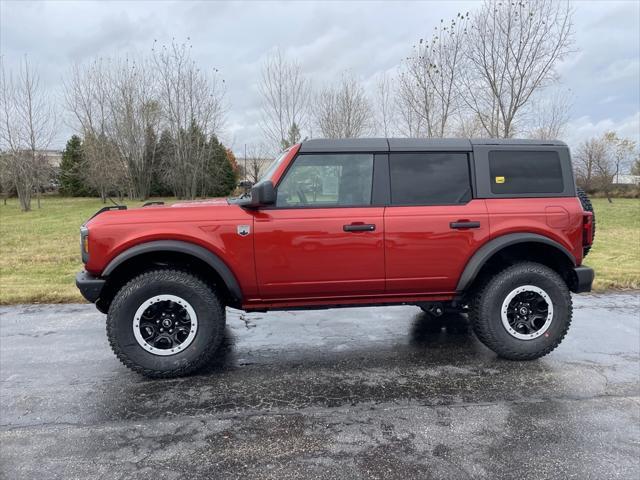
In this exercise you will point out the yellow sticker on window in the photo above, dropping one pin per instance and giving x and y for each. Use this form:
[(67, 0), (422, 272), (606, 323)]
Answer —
[(499, 179)]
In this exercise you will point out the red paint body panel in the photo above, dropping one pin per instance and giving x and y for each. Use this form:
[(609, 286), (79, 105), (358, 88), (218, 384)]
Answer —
[(306, 252), (538, 215), (423, 253), (212, 225)]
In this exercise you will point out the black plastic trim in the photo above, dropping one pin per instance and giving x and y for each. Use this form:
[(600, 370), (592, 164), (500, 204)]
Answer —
[(429, 145), (459, 225), (345, 145), (197, 251), (484, 253), (107, 209), (583, 279), (381, 194), (90, 287)]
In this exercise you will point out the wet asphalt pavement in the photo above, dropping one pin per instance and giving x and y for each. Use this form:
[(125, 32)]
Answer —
[(354, 393)]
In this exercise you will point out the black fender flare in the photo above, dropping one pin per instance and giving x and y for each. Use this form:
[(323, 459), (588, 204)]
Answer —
[(187, 248), (484, 253)]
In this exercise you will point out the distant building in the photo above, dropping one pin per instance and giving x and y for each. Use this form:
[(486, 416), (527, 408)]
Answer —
[(53, 157), (621, 179)]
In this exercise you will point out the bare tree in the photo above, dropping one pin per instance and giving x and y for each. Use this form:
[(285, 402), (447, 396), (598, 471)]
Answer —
[(285, 95), (133, 111), (193, 110), (549, 116), (344, 111), (635, 166), (622, 154), (587, 159), (467, 125), (511, 53), (103, 169), (87, 99), (28, 127), (429, 76), (257, 162), (385, 106), (409, 122), (6, 180), (600, 160)]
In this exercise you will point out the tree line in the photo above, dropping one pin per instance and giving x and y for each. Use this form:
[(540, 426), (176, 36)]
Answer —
[(481, 74), (152, 124), (144, 125), (79, 177)]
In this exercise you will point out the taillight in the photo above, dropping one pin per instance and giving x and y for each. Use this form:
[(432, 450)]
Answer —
[(587, 229)]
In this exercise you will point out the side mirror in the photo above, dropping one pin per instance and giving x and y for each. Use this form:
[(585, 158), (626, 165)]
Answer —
[(262, 195)]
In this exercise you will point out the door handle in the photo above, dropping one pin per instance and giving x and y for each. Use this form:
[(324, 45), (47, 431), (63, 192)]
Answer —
[(464, 224), (359, 227)]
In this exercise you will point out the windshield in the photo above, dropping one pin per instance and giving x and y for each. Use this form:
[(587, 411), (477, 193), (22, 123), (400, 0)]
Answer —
[(273, 167)]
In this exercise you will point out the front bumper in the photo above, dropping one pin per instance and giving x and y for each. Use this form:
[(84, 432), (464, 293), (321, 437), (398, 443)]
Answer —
[(89, 286), (582, 279)]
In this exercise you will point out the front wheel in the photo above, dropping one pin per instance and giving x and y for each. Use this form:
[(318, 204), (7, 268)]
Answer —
[(523, 312), (165, 323)]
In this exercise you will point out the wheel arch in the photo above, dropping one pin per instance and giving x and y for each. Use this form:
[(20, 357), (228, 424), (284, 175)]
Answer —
[(512, 246), (170, 252)]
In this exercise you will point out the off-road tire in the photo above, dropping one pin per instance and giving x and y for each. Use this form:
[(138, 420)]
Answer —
[(587, 207), (207, 306), (485, 312)]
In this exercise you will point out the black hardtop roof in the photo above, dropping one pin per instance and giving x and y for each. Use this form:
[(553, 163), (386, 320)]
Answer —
[(318, 145)]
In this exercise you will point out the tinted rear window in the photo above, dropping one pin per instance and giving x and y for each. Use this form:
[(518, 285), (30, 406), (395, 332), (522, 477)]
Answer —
[(429, 178), (525, 172)]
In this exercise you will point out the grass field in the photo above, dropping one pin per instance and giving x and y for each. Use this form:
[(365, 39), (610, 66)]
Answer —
[(39, 250)]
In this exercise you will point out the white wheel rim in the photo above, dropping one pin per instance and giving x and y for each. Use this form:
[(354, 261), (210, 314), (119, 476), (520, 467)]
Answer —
[(505, 307), (193, 325)]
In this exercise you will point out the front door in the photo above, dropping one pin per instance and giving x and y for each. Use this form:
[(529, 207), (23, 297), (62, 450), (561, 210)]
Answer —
[(432, 225), (323, 238)]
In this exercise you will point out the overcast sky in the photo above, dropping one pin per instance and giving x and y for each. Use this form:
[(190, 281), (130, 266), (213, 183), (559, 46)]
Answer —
[(368, 38)]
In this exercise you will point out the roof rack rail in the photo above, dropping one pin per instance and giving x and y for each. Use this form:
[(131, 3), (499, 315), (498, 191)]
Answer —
[(106, 209), (152, 203)]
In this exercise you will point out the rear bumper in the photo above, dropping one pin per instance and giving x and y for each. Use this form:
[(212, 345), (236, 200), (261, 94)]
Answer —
[(89, 286), (582, 279)]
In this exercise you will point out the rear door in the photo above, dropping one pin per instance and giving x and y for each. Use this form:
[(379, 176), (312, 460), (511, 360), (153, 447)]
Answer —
[(433, 225), (324, 237)]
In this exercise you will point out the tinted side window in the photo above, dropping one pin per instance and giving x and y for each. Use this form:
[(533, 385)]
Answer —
[(429, 178), (327, 180), (525, 172)]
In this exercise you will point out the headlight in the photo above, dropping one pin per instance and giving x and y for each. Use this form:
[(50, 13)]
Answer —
[(84, 244)]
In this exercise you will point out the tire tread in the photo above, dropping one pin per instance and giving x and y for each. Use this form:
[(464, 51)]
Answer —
[(480, 320), (168, 274)]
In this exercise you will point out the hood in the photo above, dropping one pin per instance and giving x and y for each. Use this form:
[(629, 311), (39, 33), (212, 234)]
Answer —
[(197, 210)]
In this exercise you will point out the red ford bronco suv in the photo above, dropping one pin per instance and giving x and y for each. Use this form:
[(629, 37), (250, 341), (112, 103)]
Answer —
[(493, 227)]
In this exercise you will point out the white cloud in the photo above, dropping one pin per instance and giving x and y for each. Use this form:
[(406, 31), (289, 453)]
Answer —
[(583, 128)]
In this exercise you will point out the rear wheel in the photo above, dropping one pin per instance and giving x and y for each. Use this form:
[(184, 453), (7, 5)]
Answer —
[(165, 323), (523, 312)]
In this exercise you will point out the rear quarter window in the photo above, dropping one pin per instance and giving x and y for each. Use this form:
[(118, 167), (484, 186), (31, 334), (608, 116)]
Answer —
[(525, 172)]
